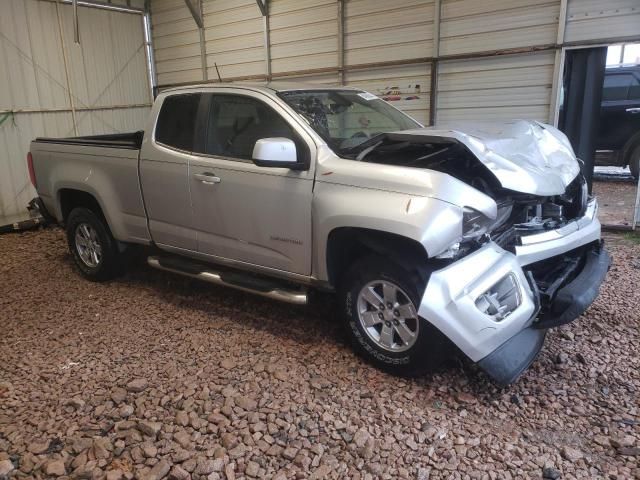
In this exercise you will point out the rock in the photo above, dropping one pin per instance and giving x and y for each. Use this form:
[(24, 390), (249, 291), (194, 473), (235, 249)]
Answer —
[(137, 385), (125, 411), (38, 448), (571, 454), (229, 441), (238, 451), (551, 473), (230, 472), (463, 397), (246, 403), (423, 474), (360, 438), (622, 441), (252, 469), (227, 364), (320, 473), (150, 429), (54, 468), (118, 395), (159, 470), (206, 466), (149, 450), (281, 375), (76, 403), (178, 473), (182, 438), (182, 418), (629, 451), (6, 466), (290, 453), (115, 475)]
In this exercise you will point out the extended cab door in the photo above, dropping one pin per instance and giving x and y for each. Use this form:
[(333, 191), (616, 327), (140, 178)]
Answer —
[(164, 171), (243, 212)]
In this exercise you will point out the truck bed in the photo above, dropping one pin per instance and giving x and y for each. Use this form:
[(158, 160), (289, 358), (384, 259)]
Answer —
[(130, 140)]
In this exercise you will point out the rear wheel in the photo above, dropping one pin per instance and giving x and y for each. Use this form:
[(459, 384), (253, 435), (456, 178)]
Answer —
[(94, 250), (380, 300)]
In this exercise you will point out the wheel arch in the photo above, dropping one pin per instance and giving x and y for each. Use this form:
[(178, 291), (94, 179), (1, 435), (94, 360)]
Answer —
[(345, 245)]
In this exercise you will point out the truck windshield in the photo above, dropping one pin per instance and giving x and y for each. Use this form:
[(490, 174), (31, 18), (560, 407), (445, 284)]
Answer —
[(347, 119)]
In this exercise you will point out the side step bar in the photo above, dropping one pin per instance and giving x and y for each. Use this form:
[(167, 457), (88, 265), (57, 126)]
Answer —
[(238, 280)]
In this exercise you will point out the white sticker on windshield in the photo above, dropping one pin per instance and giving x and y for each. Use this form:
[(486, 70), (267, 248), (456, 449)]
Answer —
[(367, 96)]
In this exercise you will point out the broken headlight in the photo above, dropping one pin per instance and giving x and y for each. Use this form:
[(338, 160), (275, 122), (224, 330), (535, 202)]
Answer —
[(474, 223)]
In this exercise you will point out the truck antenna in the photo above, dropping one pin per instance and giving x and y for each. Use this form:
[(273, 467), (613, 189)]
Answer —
[(218, 72)]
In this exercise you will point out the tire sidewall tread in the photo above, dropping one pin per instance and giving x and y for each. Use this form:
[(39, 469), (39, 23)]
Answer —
[(111, 264), (425, 354)]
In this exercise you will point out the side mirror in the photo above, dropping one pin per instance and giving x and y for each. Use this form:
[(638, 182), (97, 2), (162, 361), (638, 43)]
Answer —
[(275, 152)]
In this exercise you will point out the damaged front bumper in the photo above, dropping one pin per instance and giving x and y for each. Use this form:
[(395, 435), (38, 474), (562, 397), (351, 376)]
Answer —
[(492, 306)]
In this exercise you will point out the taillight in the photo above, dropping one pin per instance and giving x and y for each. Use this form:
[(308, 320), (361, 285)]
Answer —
[(32, 172)]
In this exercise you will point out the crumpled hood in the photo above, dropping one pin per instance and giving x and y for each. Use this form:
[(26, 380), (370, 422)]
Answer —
[(528, 157)]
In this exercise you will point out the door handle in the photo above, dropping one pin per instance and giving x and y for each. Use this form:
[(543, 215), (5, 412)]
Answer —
[(207, 178), (633, 110)]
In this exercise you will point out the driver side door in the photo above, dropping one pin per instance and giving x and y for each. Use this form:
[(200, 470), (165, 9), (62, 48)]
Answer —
[(242, 212)]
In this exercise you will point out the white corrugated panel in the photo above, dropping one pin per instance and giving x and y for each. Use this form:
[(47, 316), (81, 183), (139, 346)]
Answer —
[(598, 20), (469, 26), (303, 34), (176, 42), (378, 30), (107, 69), (495, 88), (405, 87), (234, 38)]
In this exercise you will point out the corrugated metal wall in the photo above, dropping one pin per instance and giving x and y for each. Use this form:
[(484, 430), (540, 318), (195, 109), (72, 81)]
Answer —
[(496, 88), (35, 87), (597, 20)]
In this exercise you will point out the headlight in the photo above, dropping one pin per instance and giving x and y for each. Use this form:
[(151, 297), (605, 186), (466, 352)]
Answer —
[(474, 223)]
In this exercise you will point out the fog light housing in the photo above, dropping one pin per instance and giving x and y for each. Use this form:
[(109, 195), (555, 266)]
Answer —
[(501, 299)]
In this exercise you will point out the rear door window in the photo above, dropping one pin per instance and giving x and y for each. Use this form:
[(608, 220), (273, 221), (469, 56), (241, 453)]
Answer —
[(616, 86), (177, 120)]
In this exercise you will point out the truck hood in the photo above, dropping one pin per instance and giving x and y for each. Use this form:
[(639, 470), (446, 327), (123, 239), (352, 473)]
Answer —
[(528, 157)]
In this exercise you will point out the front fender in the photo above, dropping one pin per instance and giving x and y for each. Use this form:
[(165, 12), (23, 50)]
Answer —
[(432, 223)]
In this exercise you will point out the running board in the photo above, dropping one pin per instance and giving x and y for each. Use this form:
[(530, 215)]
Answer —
[(238, 280)]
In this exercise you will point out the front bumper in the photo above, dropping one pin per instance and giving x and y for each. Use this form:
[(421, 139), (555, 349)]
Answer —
[(505, 344)]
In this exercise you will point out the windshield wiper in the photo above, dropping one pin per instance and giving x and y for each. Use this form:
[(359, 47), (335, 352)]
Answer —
[(357, 149)]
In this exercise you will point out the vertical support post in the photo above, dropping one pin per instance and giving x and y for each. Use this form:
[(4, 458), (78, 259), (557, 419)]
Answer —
[(66, 71), (558, 66), (76, 32), (203, 46), (341, 73), (433, 88), (263, 5), (196, 13), (148, 49)]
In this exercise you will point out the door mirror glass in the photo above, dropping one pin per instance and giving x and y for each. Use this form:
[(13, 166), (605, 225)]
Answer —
[(275, 152)]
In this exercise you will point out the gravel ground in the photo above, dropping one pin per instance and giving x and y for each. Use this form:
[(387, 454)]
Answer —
[(156, 376)]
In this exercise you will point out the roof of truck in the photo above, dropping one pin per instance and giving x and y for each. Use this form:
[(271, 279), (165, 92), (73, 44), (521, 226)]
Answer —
[(281, 86)]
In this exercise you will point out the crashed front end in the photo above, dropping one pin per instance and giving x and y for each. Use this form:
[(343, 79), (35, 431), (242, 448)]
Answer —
[(538, 264), (497, 302)]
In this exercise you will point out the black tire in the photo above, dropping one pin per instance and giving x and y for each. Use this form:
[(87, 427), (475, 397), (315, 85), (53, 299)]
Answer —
[(111, 259), (634, 162), (431, 346)]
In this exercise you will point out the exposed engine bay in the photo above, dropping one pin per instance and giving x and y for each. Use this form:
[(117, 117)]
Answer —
[(519, 214)]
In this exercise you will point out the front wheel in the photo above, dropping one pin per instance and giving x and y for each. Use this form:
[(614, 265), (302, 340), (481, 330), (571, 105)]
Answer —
[(380, 302), (94, 250)]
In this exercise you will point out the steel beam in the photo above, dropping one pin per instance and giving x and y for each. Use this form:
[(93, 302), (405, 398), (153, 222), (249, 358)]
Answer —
[(196, 12)]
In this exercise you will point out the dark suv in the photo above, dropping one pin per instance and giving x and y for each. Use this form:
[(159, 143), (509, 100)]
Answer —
[(618, 140)]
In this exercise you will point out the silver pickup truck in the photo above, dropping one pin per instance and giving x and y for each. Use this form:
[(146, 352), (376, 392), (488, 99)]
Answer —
[(483, 237)]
